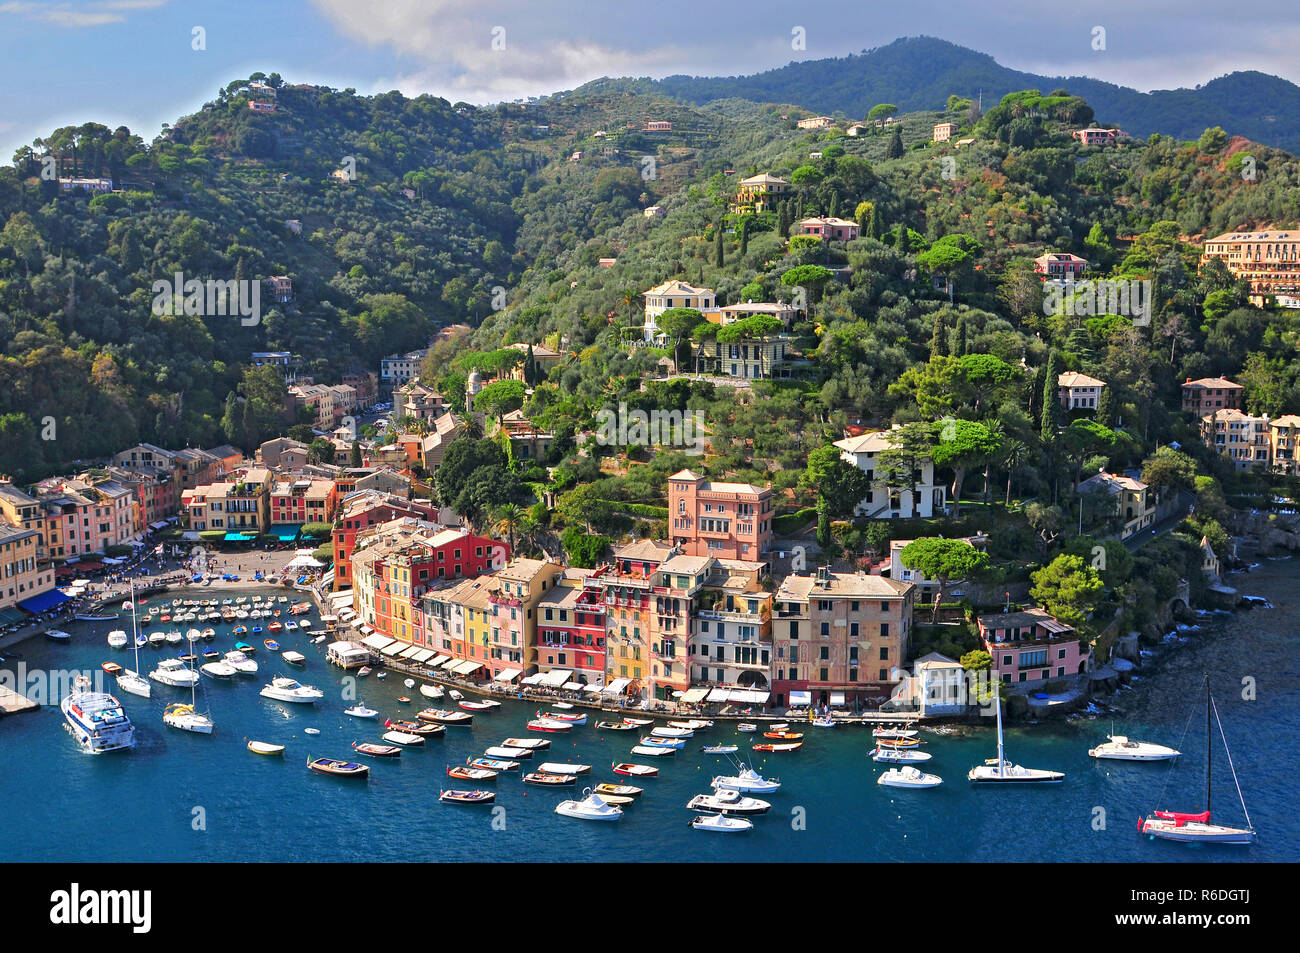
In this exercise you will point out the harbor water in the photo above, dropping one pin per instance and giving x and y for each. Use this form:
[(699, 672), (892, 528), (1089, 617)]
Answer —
[(183, 797)]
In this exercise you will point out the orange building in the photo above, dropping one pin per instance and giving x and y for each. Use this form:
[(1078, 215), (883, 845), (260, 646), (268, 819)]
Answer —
[(727, 520)]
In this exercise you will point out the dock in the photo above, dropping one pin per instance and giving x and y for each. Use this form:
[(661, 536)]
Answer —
[(11, 702)]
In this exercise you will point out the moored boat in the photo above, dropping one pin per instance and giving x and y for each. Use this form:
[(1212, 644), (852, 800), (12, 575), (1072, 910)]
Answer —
[(96, 720), (492, 764), (288, 690), (634, 770), (791, 746), (425, 729), (547, 724), (618, 790), (1121, 748), (445, 717), (117, 639), (1000, 770), (338, 768), (554, 767), (721, 823), (377, 751), (504, 751), (720, 749), (674, 743), (111, 668), (466, 797), (898, 755), (294, 658), (533, 744), (746, 726), (615, 726), (463, 772), (746, 781), (909, 777), (219, 670), (404, 738), (592, 807), (653, 751), (265, 748), (573, 719), (783, 735), (723, 801), (548, 779), (359, 710)]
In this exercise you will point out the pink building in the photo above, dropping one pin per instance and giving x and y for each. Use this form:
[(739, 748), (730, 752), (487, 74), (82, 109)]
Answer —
[(837, 229), (1098, 137), (1031, 646), (1059, 265), (727, 520)]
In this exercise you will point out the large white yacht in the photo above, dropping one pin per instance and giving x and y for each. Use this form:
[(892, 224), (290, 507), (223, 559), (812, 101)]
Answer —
[(96, 719), (288, 690)]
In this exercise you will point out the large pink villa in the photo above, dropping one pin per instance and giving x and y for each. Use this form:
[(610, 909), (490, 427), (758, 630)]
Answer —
[(1031, 646)]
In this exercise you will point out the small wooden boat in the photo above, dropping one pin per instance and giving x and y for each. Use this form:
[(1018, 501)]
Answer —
[(403, 700), (897, 743), (617, 800), (265, 748), (337, 768), (311, 731), (548, 724), (793, 746), (111, 668), (783, 735), (607, 790), (274, 626), (445, 717), (532, 744), (693, 725), (57, 635), (95, 618), (240, 630), (211, 655), (562, 716), (634, 770), (663, 742), (639, 722), (615, 726), (463, 772), (884, 732), (403, 738), (245, 648), (652, 751), (564, 706), (503, 751), (548, 779), (377, 751), (466, 797), (363, 671), (492, 764), (556, 767), (474, 706), (424, 728), (271, 645)]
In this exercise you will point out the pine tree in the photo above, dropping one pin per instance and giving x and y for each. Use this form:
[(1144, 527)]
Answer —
[(1051, 421), (719, 256)]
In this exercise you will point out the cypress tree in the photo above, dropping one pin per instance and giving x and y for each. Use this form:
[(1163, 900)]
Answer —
[(744, 237), (903, 241), (834, 210), (783, 219), (873, 223), (719, 257), (1051, 420), (356, 453), (960, 349), (938, 337), (1106, 406), (895, 148)]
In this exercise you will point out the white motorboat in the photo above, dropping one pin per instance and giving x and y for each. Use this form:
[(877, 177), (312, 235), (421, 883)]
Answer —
[(1000, 770), (455, 695), (720, 749), (96, 719), (294, 658), (432, 691), (563, 706), (174, 672), (240, 662), (174, 637), (218, 670), (721, 823), (672, 733), (359, 710), (746, 781), (508, 752), (1121, 748), (724, 801), (899, 755), (194, 635), (746, 726), (827, 722), (909, 777), (117, 639), (561, 767), (1197, 828), (288, 690), (532, 744), (591, 808), (692, 725)]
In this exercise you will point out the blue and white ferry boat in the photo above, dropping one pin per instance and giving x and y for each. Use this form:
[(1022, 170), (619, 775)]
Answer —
[(96, 719)]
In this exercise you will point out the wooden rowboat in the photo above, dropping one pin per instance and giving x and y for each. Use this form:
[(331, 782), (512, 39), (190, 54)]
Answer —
[(464, 773), (263, 747), (466, 797), (634, 770), (377, 751), (794, 746), (338, 768), (548, 779)]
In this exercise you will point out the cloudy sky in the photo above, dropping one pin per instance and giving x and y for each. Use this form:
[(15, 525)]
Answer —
[(134, 62)]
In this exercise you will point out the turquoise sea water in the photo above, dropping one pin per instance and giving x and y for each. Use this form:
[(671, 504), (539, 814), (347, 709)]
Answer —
[(179, 797)]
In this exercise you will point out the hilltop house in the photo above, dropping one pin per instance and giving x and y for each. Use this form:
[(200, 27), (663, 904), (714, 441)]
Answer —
[(1079, 391), (891, 499)]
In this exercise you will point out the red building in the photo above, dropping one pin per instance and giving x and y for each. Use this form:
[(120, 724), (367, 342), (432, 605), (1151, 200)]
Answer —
[(571, 627), (362, 511)]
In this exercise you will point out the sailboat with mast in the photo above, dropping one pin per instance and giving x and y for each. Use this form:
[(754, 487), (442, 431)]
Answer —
[(130, 680), (1197, 828), (188, 717), (1003, 770)]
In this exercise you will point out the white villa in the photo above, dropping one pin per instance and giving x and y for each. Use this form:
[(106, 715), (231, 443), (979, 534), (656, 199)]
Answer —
[(890, 501)]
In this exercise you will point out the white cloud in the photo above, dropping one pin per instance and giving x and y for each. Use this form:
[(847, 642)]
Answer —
[(68, 15)]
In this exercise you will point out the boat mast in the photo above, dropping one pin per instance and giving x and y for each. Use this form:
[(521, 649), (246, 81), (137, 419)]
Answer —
[(1209, 748), (135, 638), (1001, 759)]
